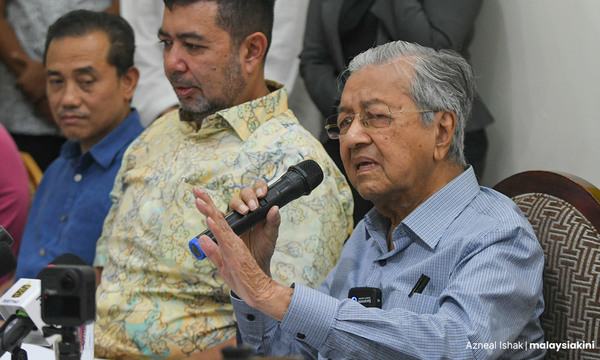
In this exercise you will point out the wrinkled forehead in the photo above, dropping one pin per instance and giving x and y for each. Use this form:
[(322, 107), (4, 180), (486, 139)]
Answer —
[(387, 83)]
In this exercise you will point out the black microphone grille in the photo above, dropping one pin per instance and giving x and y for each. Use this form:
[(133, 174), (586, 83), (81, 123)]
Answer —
[(312, 173)]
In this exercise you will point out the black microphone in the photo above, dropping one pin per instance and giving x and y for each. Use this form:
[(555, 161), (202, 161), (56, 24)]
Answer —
[(8, 262), (300, 179), (12, 333), (5, 236)]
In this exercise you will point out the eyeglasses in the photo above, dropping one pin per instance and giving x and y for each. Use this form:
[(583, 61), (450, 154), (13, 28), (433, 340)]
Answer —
[(374, 116)]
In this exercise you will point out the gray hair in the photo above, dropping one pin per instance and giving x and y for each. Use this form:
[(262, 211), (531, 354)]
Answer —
[(441, 80)]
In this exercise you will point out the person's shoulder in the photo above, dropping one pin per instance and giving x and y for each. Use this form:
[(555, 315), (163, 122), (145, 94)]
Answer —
[(496, 204), (162, 126), (497, 215), (290, 130)]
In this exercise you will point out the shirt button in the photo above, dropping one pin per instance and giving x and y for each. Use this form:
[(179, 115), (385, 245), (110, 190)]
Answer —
[(63, 218), (300, 336), (250, 317), (382, 262), (77, 177), (42, 252)]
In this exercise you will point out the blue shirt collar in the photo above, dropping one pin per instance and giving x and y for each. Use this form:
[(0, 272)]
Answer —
[(105, 151), (444, 206)]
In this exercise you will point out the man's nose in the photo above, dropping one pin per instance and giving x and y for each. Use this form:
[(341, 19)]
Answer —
[(71, 97), (174, 59), (357, 135)]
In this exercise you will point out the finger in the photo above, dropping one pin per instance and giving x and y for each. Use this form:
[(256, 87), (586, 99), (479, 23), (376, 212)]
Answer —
[(261, 188), (207, 210), (225, 236), (238, 205), (215, 220), (196, 191), (249, 197), (271, 228), (211, 250), (205, 204), (273, 216)]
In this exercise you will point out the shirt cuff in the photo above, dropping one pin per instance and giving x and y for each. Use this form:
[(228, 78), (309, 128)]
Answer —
[(252, 323), (310, 316)]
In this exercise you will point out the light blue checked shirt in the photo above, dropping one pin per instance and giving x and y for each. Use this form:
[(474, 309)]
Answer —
[(483, 301)]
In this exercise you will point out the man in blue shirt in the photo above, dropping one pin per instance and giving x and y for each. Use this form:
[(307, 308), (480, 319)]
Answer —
[(440, 268), (90, 82)]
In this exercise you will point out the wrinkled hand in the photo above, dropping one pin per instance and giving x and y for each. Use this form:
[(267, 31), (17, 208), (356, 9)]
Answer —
[(246, 275), (262, 238)]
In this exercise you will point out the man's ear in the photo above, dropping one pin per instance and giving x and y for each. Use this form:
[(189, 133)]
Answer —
[(252, 51), (445, 123), (129, 81)]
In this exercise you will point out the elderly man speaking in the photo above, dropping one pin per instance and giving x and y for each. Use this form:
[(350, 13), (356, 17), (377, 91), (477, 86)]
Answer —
[(440, 268)]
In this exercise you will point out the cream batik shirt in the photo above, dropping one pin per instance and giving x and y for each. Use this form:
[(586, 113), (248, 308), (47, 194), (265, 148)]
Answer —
[(155, 299)]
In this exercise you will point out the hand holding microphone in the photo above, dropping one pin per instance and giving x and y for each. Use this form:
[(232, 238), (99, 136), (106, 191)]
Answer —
[(244, 263), (300, 179)]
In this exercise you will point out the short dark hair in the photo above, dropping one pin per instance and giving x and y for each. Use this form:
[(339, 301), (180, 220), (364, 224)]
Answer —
[(82, 22), (239, 18)]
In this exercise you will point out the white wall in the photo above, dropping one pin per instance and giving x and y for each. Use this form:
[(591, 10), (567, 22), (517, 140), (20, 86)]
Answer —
[(538, 68)]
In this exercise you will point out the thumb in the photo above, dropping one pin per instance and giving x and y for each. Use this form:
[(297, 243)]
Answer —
[(271, 228), (211, 250)]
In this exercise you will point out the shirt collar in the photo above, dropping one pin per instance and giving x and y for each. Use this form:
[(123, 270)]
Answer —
[(70, 150), (249, 116), (428, 222), (444, 206), (105, 151)]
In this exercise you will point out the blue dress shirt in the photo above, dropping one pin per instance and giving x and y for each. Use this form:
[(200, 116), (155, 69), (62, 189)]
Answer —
[(483, 300), (72, 200)]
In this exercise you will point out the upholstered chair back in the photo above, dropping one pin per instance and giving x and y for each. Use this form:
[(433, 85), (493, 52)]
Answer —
[(565, 213)]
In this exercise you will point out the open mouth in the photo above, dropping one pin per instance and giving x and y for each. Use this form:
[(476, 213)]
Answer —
[(364, 165)]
